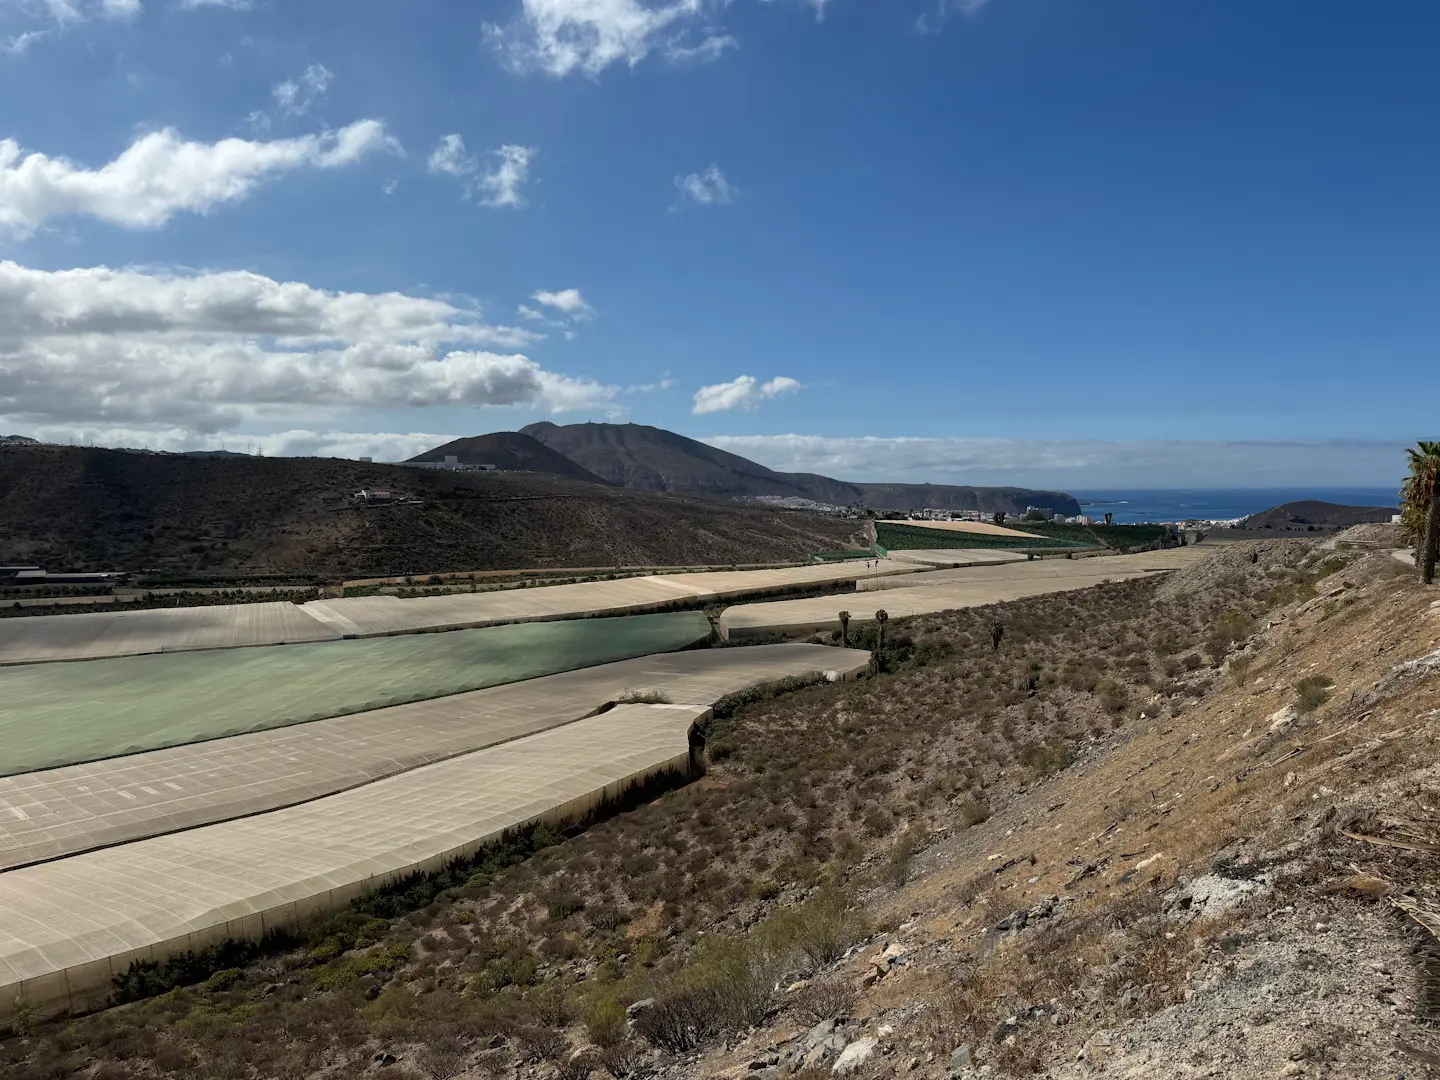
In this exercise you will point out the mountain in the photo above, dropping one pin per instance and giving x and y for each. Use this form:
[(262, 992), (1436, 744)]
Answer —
[(652, 459), (80, 508), (511, 450), (1312, 512)]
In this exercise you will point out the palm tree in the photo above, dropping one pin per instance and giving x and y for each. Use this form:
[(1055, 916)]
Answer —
[(1420, 506), (880, 618), (845, 628)]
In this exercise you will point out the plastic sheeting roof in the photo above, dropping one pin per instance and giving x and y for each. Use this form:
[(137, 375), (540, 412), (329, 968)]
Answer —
[(64, 811), (67, 926), (952, 589), (59, 714), (103, 634)]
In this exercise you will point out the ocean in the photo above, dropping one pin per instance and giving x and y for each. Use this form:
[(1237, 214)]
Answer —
[(1219, 504)]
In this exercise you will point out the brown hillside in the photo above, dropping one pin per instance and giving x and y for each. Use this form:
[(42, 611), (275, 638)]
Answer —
[(81, 508), (511, 450)]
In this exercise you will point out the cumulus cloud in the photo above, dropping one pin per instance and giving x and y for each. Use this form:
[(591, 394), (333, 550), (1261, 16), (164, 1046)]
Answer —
[(1076, 464), (499, 186), (120, 9), (233, 5), (565, 37), (296, 96), (746, 392), (161, 174), (707, 188), (567, 301), (212, 351)]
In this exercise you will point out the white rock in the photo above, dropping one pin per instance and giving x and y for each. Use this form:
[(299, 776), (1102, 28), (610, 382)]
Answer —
[(854, 1055)]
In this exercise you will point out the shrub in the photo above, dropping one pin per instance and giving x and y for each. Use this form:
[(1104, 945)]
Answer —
[(536, 1043), (824, 999), (974, 812), (605, 1021), (1312, 691), (821, 928), (1113, 696), (223, 979)]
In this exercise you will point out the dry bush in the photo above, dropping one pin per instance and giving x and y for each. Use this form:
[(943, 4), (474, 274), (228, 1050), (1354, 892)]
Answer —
[(824, 999), (1312, 691)]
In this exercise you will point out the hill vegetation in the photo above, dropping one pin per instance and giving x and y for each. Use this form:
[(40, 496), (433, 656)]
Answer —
[(652, 459), (80, 508)]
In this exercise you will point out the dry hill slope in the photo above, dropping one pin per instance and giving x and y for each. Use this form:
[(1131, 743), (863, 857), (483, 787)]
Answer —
[(509, 450), (652, 459), (79, 508)]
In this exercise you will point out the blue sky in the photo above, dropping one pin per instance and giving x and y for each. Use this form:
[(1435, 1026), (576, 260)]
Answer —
[(1034, 241)]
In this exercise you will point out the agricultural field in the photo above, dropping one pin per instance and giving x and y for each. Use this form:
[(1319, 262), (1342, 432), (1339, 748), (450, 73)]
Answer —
[(63, 713), (897, 536)]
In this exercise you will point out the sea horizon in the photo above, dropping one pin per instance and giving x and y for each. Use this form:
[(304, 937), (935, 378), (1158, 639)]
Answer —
[(1134, 505)]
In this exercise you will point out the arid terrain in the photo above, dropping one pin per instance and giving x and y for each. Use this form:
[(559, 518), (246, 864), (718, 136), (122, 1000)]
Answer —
[(76, 508), (1168, 827)]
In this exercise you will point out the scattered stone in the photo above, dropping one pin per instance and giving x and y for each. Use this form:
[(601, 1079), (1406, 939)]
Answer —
[(384, 1057), (1133, 995), (962, 1057), (636, 1008), (854, 1055), (1282, 719), (868, 977)]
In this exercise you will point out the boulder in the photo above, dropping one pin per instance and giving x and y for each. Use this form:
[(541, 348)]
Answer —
[(854, 1055)]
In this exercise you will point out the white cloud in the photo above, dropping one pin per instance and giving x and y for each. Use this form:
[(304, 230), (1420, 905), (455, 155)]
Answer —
[(210, 352), (746, 392), (233, 5), (296, 96), (120, 9), (161, 175), (1076, 464), (567, 301), (932, 23), (527, 312), (297, 442), (708, 50), (17, 45), (449, 157), (707, 188), (501, 185), (561, 37), (258, 120)]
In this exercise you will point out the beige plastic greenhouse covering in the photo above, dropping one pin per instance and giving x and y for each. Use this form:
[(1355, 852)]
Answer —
[(44, 815), (68, 927), (26, 640), (972, 587), (91, 636), (61, 714), (958, 556)]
